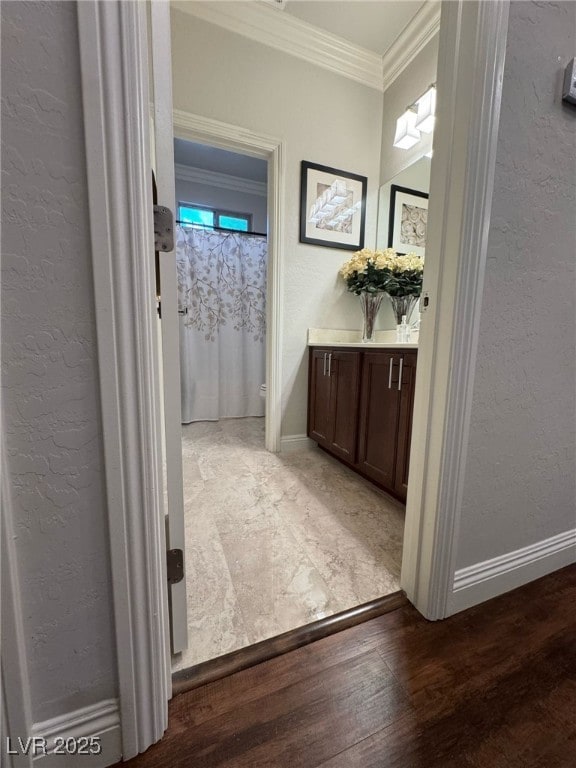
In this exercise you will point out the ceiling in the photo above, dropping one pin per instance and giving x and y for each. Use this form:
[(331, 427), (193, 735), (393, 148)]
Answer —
[(370, 24)]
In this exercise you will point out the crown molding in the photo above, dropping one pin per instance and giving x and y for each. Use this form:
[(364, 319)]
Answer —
[(293, 36), (220, 180), (410, 42)]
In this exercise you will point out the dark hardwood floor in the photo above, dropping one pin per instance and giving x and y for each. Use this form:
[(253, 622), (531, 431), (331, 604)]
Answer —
[(494, 687)]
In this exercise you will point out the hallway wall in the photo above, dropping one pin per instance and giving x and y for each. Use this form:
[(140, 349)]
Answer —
[(520, 485), (51, 401)]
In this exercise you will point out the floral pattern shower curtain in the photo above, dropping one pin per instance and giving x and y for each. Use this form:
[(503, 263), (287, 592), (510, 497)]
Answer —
[(222, 301)]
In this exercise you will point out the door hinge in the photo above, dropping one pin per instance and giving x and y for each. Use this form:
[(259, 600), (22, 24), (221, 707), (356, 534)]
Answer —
[(163, 228), (175, 565)]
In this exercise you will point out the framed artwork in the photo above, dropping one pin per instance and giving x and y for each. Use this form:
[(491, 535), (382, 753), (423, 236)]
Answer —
[(408, 220), (332, 207)]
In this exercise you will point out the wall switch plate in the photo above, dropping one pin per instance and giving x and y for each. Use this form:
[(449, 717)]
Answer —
[(569, 89)]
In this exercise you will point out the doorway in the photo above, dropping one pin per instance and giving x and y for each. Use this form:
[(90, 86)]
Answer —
[(137, 554), (222, 259), (274, 541)]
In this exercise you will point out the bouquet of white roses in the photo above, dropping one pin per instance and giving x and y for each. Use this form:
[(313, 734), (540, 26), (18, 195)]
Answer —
[(369, 271)]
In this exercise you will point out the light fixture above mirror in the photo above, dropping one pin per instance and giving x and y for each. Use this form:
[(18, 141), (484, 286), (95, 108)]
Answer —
[(407, 135), (418, 118), (426, 105)]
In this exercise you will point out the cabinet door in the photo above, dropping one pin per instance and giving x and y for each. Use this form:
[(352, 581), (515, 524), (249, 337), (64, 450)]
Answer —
[(379, 416), (319, 420), (344, 373), (408, 381)]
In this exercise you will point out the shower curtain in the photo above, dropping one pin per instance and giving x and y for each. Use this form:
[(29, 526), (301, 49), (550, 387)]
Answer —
[(221, 299)]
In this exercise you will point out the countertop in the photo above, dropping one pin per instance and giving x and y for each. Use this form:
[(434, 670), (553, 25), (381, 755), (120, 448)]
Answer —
[(327, 337)]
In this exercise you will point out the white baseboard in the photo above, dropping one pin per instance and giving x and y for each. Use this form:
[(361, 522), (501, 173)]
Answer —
[(482, 581), (101, 721), (295, 443)]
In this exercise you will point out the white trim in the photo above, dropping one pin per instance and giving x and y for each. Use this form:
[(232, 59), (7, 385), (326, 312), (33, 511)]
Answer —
[(235, 138), (15, 683), (295, 37), (100, 721), (292, 36), (470, 71), (289, 443), (482, 581), (410, 42), (220, 180), (113, 55), (171, 413)]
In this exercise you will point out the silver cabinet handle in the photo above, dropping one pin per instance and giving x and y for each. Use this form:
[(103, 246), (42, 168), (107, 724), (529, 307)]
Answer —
[(330, 364), (390, 373), (324, 371), (400, 374)]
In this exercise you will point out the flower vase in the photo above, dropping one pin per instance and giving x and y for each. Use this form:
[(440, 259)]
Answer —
[(402, 306), (370, 303)]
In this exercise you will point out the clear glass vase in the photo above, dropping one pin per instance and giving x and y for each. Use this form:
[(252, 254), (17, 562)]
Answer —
[(403, 305), (370, 303)]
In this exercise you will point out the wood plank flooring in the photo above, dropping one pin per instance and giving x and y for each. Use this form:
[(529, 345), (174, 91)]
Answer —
[(494, 687)]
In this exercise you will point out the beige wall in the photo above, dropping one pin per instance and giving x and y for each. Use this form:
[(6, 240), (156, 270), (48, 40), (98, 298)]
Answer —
[(323, 118), (519, 485)]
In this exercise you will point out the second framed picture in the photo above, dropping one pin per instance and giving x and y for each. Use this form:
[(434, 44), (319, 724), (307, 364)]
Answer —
[(332, 207), (408, 220)]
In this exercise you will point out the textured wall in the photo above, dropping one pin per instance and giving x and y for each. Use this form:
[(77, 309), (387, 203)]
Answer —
[(323, 118), (49, 373), (520, 485)]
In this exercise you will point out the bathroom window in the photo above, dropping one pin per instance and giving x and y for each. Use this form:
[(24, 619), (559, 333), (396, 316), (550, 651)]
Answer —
[(202, 216)]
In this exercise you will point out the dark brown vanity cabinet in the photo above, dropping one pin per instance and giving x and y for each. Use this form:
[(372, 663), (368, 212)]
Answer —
[(385, 423), (334, 388), (360, 409)]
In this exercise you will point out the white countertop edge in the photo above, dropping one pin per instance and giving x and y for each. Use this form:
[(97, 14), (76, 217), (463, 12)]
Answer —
[(364, 345), (328, 337)]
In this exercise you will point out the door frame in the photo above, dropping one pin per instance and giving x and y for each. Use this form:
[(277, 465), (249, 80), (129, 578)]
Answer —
[(233, 138), (113, 55), (115, 94), (168, 323), (472, 53)]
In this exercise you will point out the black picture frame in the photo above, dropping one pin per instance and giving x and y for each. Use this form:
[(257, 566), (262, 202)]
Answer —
[(342, 227), (400, 196)]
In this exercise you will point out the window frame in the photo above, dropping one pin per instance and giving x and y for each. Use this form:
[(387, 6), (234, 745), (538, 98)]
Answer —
[(218, 213)]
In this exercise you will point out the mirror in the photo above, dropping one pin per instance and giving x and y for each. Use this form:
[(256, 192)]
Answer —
[(415, 178)]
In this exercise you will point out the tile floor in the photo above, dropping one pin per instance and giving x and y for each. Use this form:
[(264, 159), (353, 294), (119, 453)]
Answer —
[(275, 541)]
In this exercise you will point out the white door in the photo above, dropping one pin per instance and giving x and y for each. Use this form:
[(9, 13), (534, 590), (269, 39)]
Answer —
[(163, 154)]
